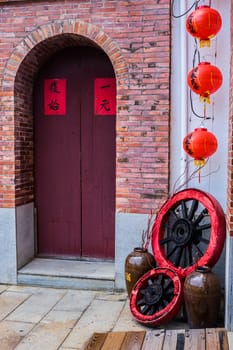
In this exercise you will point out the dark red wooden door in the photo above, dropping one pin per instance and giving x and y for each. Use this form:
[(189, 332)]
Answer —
[(75, 161)]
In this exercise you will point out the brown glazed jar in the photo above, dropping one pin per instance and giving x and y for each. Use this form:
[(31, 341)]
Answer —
[(137, 263), (202, 295)]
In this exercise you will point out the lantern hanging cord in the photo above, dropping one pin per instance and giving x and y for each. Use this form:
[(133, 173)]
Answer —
[(195, 4), (192, 108), (196, 53)]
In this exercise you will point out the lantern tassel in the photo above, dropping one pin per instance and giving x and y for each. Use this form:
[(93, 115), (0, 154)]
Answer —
[(205, 99), (204, 110), (204, 43), (199, 163)]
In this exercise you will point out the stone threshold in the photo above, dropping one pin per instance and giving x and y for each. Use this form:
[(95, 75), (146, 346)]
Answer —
[(58, 273)]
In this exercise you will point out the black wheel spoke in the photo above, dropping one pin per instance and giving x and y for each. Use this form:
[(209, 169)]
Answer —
[(141, 302), (166, 226), (193, 209), (172, 252), (168, 285), (169, 292), (190, 256), (184, 209), (178, 256), (160, 307), (145, 308), (173, 213), (160, 279), (198, 250), (204, 240), (200, 216), (165, 281), (152, 310), (185, 263), (165, 240), (203, 227)]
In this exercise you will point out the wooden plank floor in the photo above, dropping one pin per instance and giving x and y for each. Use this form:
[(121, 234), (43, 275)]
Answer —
[(160, 339)]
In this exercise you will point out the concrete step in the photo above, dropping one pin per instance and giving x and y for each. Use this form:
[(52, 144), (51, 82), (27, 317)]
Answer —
[(68, 274)]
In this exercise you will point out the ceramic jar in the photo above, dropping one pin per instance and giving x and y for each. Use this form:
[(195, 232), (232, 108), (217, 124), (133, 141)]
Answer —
[(137, 263), (202, 295)]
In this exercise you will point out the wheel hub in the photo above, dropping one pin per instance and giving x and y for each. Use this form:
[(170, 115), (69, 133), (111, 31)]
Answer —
[(182, 232), (153, 294)]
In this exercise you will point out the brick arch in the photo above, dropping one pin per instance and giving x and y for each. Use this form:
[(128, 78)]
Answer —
[(55, 29), (18, 79)]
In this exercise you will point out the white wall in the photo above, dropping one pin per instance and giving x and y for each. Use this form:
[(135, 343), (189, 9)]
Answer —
[(214, 175)]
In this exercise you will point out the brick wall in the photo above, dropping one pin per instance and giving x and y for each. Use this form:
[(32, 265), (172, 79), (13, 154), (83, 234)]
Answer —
[(136, 37)]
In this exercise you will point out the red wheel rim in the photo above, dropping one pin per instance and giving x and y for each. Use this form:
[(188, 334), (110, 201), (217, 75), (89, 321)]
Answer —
[(157, 297), (189, 231)]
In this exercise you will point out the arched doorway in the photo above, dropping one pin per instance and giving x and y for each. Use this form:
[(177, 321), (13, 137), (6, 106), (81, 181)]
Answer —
[(75, 154), (19, 77)]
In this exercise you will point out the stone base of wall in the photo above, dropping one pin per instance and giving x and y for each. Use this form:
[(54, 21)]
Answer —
[(129, 228), (16, 240), (25, 234), (8, 266)]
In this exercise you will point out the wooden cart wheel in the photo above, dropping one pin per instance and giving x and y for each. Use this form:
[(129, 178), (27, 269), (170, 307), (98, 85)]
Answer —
[(157, 297), (189, 231)]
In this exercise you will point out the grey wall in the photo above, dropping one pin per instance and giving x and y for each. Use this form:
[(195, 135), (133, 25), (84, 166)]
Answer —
[(16, 240), (8, 266), (129, 228)]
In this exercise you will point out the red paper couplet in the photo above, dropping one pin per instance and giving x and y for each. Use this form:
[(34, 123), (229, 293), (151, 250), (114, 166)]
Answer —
[(105, 96), (55, 96)]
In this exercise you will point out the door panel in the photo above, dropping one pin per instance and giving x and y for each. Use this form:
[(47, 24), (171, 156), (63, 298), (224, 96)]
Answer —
[(75, 162), (98, 168), (96, 182)]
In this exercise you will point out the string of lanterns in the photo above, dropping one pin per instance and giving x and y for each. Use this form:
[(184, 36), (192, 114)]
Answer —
[(204, 79)]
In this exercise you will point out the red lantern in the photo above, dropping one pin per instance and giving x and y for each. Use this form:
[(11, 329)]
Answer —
[(200, 144), (204, 23), (204, 80)]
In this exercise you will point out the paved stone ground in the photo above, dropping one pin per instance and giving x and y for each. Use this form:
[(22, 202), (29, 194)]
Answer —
[(46, 318), (49, 319)]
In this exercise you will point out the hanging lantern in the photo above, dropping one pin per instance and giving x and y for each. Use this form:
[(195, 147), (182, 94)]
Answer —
[(204, 23), (200, 144), (204, 80)]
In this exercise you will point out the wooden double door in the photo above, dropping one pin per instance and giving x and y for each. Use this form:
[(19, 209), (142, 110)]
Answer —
[(75, 155)]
